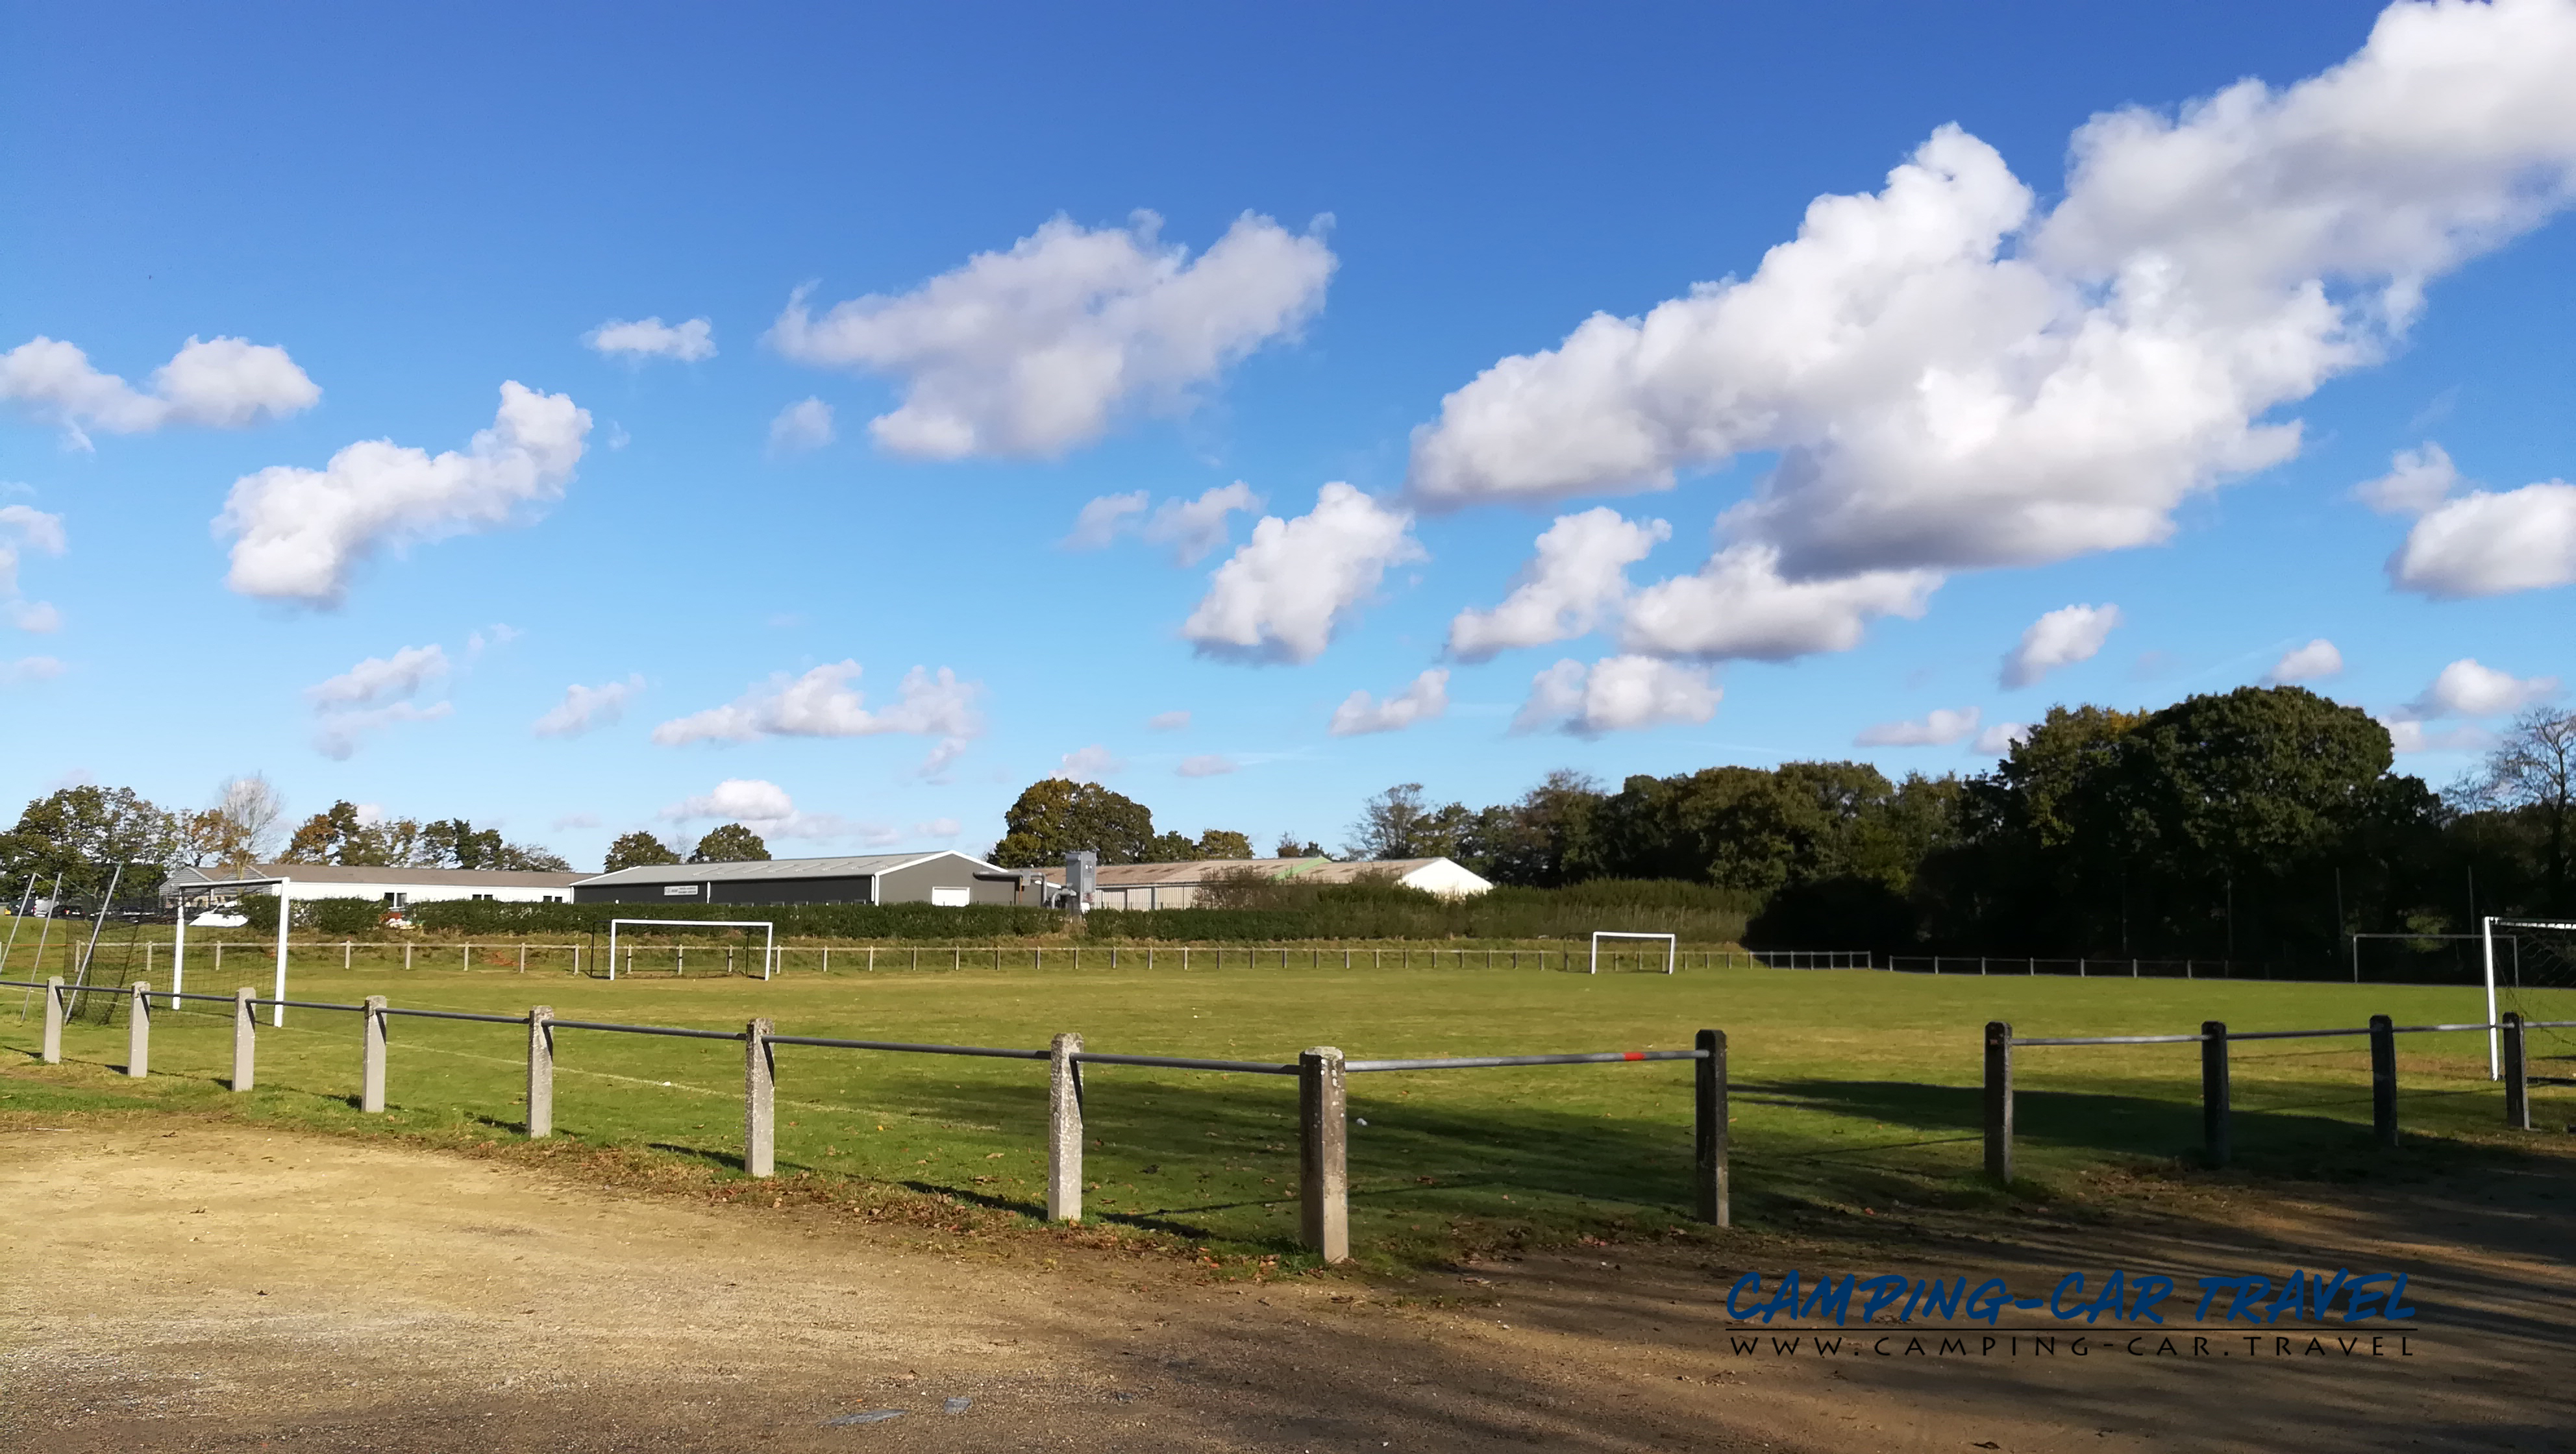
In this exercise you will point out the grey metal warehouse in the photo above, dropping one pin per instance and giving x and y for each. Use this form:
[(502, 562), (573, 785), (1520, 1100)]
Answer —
[(875, 878)]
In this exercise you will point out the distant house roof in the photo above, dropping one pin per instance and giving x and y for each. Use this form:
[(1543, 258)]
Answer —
[(333, 873), (865, 865)]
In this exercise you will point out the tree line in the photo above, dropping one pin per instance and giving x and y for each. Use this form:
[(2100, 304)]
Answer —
[(2265, 823)]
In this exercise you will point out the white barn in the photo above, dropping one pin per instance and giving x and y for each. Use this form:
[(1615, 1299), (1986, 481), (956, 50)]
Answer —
[(395, 888), (1177, 885)]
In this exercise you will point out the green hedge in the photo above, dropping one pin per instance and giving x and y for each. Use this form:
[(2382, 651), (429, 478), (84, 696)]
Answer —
[(1696, 912), (344, 916)]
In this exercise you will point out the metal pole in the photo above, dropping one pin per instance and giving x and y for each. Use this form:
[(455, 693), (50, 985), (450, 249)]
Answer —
[(541, 1072), (1708, 1108), (2383, 1079), (98, 921), (1323, 1146), (245, 1039), (43, 937), (2215, 1110), (15, 920), (277, 1014), (1064, 1129), (371, 1077), (1999, 1102), (759, 1101), (2517, 1085)]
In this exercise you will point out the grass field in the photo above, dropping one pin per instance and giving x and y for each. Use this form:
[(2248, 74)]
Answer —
[(1855, 1092)]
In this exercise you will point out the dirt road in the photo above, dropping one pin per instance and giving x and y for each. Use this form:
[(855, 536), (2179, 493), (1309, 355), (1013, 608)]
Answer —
[(190, 1285)]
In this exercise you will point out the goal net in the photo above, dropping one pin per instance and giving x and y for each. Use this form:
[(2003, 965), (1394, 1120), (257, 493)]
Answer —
[(2533, 973), (1657, 955)]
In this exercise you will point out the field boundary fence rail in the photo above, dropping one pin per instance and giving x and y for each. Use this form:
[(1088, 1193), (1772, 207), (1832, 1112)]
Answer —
[(2217, 1112), (1321, 1073)]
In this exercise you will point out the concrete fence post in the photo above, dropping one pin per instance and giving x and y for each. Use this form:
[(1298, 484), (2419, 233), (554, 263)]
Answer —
[(1999, 1102), (2215, 1110), (759, 1101), (53, 1019), (541, 1072), (371, 1079), (1708, 1116), (245, 1039), (1323, 1152), (138, 1030), (2383, 1080), (1064, 1129), (2517, 1081)]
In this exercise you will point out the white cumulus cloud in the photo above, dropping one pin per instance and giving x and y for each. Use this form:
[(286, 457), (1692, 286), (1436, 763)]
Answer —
[(30, 669), (801, 427), (1034, 351), (380, 679), (1205, 765), (1952, 375), (1425, 698), (652, 338), (25, 526), (2468, 688), (584, 708), (373, 695), (300, 533), (1617, 694), (765, 808), (2417, 481), (1578, 575), (1196, 529), (1281, 596), (2487, 543), (1104, 518), (2063, 637), (2000, 738), (1739, 605), (2313, 662), (1089, 764), (1168, 721), (1939, 728), (221, 383), (2411, 736), (826, 702)]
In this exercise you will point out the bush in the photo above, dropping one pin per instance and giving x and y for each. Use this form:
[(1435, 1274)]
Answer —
[(342, 916)]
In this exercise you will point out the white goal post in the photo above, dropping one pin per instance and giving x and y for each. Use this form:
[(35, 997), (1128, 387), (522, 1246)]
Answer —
[(2487, 934), (768, 931), (1672, 947), (179, 945)]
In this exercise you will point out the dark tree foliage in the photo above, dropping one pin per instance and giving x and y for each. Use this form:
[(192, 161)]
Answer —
[(1291, 846), (1055, 817), (1223, 843), (732, 843), (342, 835), (636, 850)]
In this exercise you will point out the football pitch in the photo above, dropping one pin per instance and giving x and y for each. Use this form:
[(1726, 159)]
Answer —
[(1853, 1092)]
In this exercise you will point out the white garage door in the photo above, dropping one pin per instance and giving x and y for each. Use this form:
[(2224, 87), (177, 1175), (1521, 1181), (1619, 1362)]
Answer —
[(950, 898)]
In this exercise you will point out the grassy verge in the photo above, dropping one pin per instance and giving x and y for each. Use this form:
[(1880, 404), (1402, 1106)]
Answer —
[(1855, 1093)]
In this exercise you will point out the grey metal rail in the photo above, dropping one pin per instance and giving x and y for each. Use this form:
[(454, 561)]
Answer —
[(1473, 1062), (833, 1044), (2234, 1035), (641, 1029), (1180, 1062)]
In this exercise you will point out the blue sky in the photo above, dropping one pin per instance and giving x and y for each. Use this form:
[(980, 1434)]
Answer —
[(1998, 387)]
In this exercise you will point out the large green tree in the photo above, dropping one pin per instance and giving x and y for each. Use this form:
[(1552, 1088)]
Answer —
[(1054, 817), (636, 850), (732, 843), (83, 834)]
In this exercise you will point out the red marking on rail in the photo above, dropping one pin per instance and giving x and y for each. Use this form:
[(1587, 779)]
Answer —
[(1634, 1055)]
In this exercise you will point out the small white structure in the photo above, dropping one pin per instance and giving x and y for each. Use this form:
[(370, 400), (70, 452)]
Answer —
[(1177, 885), (395, 888)]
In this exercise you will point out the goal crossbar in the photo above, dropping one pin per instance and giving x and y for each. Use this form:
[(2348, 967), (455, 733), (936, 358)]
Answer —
[(1672, 947), (768, 930), (179, 946)]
